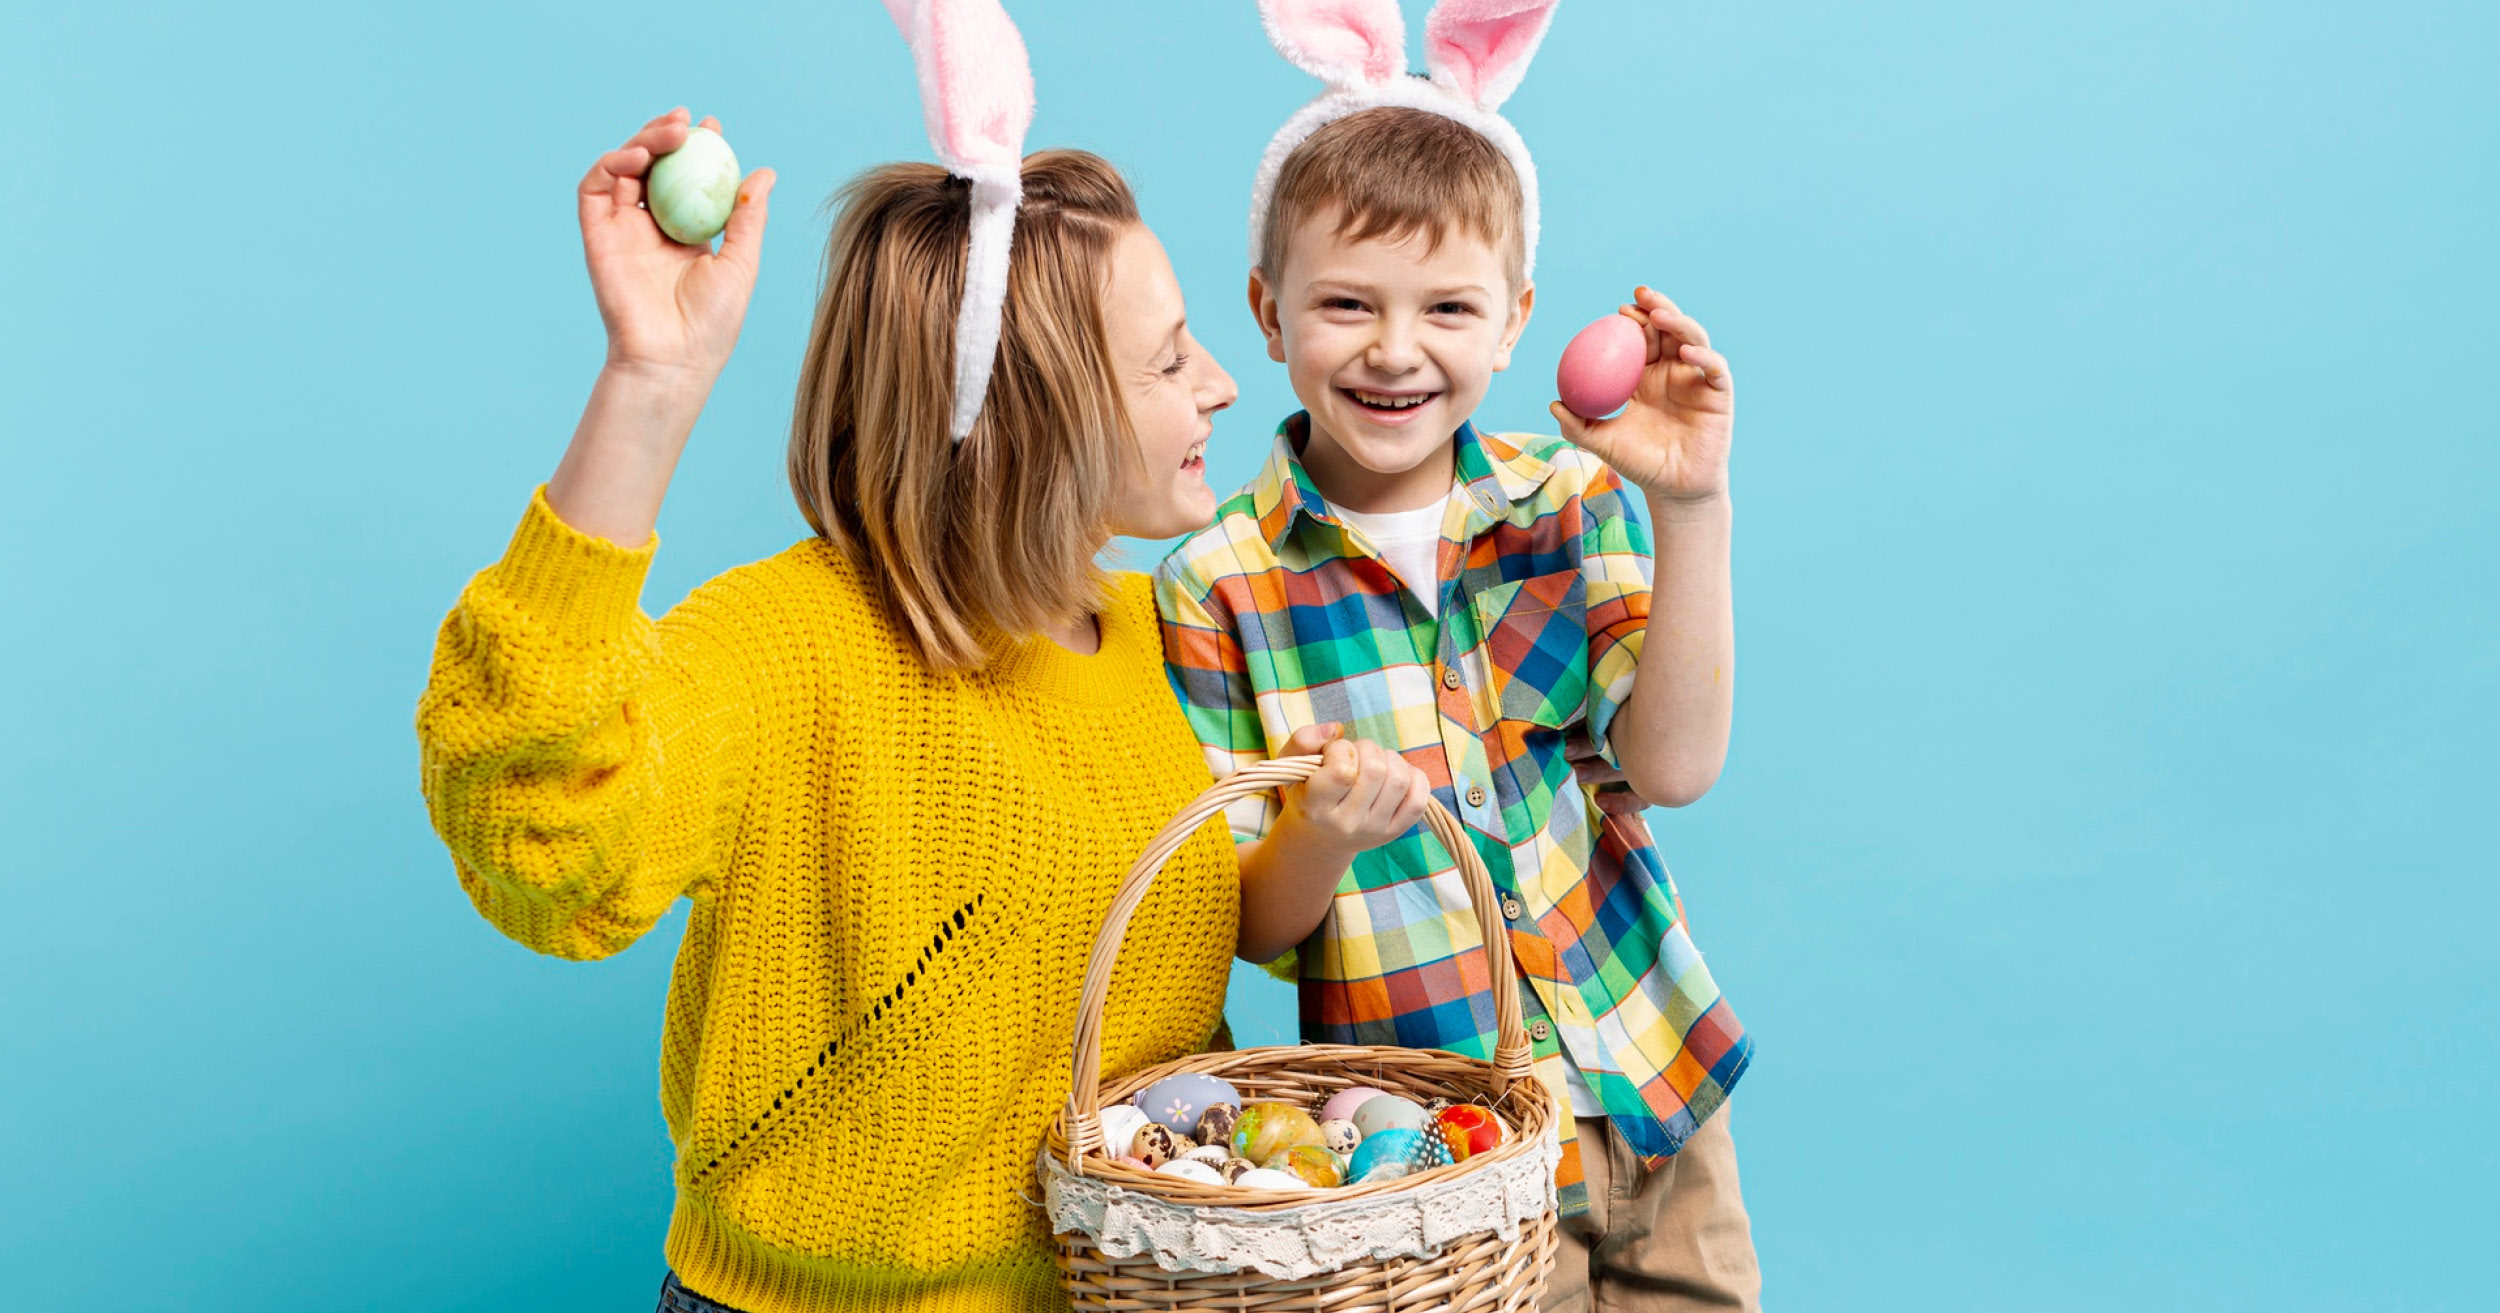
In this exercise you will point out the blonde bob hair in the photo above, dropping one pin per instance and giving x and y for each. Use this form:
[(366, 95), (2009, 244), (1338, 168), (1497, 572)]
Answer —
[(993, 538)]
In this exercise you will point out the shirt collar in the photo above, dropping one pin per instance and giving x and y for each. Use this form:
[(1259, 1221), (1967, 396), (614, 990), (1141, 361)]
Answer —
[(1496, 476)]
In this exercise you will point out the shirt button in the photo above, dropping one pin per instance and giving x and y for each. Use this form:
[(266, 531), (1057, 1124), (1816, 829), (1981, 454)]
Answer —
[(1511, 909), (1450, 678), (1475, 795), (1539, 1031)]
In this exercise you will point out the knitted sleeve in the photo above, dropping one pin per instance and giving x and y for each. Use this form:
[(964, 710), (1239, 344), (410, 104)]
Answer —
[(580, 761)]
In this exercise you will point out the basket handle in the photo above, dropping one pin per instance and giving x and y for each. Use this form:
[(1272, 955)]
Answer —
[(1511, 1051)]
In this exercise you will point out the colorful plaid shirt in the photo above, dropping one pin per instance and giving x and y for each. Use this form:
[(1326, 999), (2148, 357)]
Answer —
[(1279, 615)]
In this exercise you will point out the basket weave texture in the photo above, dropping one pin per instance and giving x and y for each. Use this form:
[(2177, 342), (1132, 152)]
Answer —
[(1483, 1230)]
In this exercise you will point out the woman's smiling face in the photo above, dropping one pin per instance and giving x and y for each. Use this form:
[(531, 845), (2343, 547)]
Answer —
[(1173, 389)]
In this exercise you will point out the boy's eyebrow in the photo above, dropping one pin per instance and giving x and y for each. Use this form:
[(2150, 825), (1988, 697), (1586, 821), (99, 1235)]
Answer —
[(1324, 286)]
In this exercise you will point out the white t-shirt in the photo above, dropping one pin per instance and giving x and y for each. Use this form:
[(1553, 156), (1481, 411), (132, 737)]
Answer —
[(1410, 541)]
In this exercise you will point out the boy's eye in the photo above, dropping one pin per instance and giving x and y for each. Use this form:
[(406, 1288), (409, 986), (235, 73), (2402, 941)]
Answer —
[(1341, 303), (1454, 308)]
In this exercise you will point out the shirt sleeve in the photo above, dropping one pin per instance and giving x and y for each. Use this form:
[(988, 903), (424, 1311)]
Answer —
[(1615, 561), (580, 761), (1202, 655)]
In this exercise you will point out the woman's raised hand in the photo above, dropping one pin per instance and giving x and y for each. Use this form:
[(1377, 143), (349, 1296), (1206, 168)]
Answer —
[(670, 309), (673, 313)]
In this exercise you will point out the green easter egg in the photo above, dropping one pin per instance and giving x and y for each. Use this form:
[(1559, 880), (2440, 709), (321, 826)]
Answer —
[(691, 189)]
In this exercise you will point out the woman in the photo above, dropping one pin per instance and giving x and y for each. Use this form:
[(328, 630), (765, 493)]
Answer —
[(897, 769)]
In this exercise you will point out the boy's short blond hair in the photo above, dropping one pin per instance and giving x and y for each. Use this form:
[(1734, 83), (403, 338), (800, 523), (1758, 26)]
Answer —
[(1392, 173)]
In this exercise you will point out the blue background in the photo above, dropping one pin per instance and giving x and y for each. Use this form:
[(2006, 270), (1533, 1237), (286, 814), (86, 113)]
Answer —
[(2097, 861)]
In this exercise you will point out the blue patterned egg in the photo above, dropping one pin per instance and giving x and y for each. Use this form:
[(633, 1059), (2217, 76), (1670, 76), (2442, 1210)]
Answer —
[(1385, 1155), (1177, 1101)]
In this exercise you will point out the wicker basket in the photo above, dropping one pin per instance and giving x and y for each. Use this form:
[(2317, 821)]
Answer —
[(1480, 1271)]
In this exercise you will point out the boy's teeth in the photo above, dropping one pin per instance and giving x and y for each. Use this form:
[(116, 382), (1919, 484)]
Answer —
[(1386, 402)]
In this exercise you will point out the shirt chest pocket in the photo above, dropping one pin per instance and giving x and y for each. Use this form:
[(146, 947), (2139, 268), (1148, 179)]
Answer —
[(1536, 644)]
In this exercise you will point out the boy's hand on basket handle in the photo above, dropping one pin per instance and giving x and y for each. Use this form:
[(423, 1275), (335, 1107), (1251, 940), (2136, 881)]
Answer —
[(1362, 797)]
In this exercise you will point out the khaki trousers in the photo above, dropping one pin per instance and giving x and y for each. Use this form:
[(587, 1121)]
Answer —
[(1671, 1241)]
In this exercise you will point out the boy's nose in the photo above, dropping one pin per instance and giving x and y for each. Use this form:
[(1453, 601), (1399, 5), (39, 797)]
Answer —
[(1393, 352)]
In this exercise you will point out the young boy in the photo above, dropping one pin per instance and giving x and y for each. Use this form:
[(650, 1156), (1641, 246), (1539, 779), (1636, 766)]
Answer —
[(1475, 604)]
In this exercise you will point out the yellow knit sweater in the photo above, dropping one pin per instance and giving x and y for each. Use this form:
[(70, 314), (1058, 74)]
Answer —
[(895, 879)]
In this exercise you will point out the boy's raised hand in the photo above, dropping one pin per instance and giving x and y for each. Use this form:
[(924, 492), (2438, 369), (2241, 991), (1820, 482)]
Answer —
[(1672, 440), (1363, 796), (670, 309)]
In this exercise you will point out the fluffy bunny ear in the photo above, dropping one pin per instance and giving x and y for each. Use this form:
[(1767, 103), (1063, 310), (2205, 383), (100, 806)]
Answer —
[(976, 95), (976, 82), (1479, 49), (1344, 43)]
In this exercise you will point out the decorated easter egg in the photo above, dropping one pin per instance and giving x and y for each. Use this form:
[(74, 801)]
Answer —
[(1213, 1155), (1600, 367), (1387, 1112), (691, 189), (1315, 1165), (1157, 1144), (1234, 1167), (1119, 1128), (1268, 1178), (1385, 1155), (1179, 1100), (1339, 1135), (1190, 1169), (1215, 1125), (1268, 1129), (1468, 1130), (1341, 1105)]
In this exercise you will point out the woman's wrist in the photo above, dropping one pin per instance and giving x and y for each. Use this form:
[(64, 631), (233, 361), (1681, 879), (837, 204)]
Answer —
[(616, 471)]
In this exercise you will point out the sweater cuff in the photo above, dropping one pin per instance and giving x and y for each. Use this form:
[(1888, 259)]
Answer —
[(578, 586)]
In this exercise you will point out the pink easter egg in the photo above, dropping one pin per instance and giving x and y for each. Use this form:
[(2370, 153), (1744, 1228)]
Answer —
[(1601, 367), (1341, 1105)]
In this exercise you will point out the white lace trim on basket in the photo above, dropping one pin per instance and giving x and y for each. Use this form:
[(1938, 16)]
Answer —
[(1322, 1236)]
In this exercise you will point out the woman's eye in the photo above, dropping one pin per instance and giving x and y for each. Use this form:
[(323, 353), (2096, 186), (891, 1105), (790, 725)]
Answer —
[(1179, 363)]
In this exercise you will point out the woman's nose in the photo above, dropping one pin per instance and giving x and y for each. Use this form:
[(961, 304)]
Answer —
[(1217, 390)]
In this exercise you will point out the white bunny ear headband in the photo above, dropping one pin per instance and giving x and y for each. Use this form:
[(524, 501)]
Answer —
[(976, 94), (1477, 50)]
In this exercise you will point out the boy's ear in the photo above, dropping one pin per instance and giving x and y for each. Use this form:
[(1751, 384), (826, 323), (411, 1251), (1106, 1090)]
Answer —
[(1264, 309), (1518, 324)]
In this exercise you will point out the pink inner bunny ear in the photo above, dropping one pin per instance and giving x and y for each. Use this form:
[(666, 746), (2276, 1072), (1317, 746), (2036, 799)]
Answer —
[(1480, 48), (1344, 43), (976, 83), (900, 11)]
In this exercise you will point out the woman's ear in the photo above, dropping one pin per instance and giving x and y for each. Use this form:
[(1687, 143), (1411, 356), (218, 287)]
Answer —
[(1263, 308)]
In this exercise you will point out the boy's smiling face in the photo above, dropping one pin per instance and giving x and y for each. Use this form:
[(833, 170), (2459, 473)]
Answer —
[(1391, 343)]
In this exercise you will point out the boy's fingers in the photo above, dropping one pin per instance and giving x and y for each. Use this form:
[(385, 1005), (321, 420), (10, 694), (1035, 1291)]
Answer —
[(1714, 369), (710, 123), (1683, 326), (1649, 332), (1575, 430), (1309, 739)]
